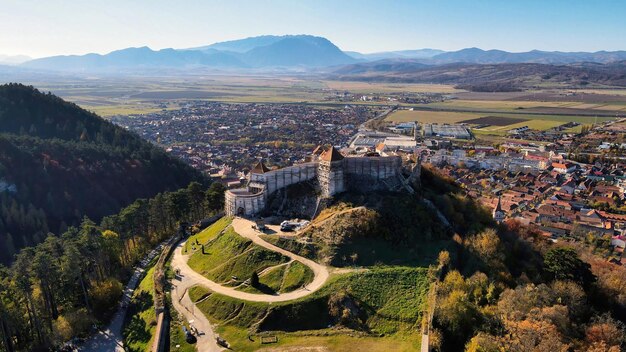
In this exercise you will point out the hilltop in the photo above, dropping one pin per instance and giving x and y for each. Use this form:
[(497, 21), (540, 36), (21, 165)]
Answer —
[(59, 163)]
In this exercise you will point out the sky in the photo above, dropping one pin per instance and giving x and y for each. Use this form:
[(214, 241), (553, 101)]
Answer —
[(39, 28)]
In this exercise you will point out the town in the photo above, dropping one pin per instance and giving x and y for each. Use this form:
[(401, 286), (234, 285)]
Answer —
[(565, 185), (221, 139)]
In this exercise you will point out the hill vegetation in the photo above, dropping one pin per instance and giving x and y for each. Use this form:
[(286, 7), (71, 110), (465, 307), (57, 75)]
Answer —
[(506, 288), (488, 77), (58, 289), (370, 229), (59, 163)]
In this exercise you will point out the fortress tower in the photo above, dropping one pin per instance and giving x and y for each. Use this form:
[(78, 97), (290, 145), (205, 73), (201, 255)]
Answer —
[(331, 173)]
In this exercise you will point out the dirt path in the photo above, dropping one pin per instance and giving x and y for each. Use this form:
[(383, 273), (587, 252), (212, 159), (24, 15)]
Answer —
[(183, 305), (244, 228)]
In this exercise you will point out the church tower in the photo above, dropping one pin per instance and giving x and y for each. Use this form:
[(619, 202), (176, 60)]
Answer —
[(498, 213), (330, 173)]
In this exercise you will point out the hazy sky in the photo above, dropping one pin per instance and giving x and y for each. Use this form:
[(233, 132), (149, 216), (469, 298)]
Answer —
[(50, 27)]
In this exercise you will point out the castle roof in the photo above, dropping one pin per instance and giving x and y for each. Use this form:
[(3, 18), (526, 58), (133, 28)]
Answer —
[(331, 154), (259, 168)]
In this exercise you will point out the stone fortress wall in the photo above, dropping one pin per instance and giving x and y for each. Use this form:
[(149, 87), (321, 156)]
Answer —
[(281, 178), (236, 200), (333, 172)]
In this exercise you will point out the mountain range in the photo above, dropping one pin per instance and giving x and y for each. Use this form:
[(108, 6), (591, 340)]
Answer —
[(249, 53), (292, 51)]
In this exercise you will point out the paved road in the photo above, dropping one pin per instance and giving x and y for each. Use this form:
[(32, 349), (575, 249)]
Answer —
[(244, 228), (183, 305), (110, 339)]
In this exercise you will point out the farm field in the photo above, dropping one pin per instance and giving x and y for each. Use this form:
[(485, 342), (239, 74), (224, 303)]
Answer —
[(374, 87), (538, 122), (431, 116), (519, 105)]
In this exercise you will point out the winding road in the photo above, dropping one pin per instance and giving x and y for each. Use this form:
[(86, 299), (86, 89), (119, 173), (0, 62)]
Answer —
[(244, 228), (189, 277)]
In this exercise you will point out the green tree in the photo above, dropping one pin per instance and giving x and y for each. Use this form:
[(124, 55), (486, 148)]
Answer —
[(254, 279), (564, 264)]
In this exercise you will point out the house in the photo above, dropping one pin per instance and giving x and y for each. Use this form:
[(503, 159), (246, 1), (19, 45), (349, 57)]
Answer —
[(563, 167)]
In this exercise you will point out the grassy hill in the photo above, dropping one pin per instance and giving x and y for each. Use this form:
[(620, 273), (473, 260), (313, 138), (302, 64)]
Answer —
[(354, 309), (366, 230), (383, 243), (219, 253), (59, 163)]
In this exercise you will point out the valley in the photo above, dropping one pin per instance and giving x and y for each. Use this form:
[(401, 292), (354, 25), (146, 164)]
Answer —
[(312, 176)]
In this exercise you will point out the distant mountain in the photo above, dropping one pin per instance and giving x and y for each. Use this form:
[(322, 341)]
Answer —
[(242, 45), (479, 56), (401, 54), (257, 52), (288, 51), (300, 50), (13, 59), (136, 58), (59, 163), (490, 77)]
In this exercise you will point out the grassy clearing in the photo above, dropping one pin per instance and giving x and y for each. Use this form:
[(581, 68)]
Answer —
[(391, 300), (283, 278), (297, 275), (322, 340), (140, 325), (271, 279), (257, 259), (206, 235), (227, 254)]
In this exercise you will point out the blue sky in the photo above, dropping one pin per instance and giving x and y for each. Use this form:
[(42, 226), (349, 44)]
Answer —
[(42, 28)]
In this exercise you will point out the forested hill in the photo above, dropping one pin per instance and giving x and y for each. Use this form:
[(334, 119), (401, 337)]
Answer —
[(59, 163)]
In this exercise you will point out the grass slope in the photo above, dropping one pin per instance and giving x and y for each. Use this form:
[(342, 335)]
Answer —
[(296, 276), (206, 235), (390, 300), (227, 254)]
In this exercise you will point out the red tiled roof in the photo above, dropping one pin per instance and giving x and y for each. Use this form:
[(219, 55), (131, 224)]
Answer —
[(260, 168), (331, 155)]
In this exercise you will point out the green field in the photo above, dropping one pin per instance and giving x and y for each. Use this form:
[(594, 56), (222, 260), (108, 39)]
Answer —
[(534, 121), (390, 299)]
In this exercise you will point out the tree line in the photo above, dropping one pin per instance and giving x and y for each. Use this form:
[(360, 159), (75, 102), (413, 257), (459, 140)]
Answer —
[(59, 163), (59, 288)]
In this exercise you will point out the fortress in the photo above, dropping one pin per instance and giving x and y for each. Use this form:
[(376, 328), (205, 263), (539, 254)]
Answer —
[(330, 171)]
